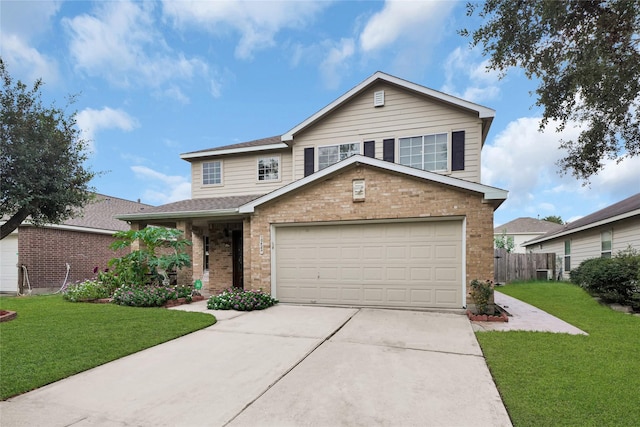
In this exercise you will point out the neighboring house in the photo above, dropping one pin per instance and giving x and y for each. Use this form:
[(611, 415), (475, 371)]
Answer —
[(82, 243), (524, 229), (376, 200), (600, 234)]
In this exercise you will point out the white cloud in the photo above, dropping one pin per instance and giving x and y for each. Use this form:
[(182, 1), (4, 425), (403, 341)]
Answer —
[(523, 160), (335, 63), (465, 67), (91, 121), (120, 43), (21, 23), (27, 61), (164, 188), (258, 22), (403, 20)]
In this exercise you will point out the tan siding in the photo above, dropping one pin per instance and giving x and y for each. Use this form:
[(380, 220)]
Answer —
[(404, 114), (587, 244), (625, 234), (239, 176)]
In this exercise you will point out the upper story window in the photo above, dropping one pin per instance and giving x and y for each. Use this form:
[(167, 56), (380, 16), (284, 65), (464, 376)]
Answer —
[(605, 244), (428, 152), (269, 168), (212, 173), (331, 154)]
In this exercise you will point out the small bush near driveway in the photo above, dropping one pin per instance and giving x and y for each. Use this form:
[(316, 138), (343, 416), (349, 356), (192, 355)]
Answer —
[(241, 300)]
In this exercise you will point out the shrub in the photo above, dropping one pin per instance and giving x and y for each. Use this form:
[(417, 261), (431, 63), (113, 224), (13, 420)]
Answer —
[(615, 280), (87, 290), (241, 300), (162, 249), (143, 296), (481, 293)]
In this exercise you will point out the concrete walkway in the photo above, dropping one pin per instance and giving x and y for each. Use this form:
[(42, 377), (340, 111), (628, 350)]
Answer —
[(525, 317), (287, 365)]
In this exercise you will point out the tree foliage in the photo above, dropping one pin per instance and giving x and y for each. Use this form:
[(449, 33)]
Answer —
[(504, 242), (586, 55), (42, 172), (553, 218), (159, 249)]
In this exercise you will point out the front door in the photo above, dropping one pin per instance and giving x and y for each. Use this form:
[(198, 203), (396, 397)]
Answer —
[(236, 248)]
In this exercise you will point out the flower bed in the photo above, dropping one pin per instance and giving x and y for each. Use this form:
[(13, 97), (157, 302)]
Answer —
[(6, 315), (502, 317)]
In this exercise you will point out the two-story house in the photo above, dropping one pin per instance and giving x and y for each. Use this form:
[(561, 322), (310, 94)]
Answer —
[(376, 200)]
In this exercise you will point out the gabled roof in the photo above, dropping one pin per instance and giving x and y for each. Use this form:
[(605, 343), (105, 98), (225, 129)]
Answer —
[(626, 208), (489, 193), (269, 143), (191, 208), (484, 113), (280, 142), (98, 216), (527, 225)]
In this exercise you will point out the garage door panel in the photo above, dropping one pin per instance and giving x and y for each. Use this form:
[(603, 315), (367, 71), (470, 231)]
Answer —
[(373, 296), (444, 297), (421, 274), (417, 264), (421, 297)]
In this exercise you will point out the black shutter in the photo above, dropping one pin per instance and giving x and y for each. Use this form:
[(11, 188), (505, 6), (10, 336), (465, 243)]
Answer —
[(388, 150), (370, 148), (457, 151), (308, 161)]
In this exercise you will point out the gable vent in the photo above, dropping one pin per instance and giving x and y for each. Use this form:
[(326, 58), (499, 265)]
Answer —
[(378, 98)]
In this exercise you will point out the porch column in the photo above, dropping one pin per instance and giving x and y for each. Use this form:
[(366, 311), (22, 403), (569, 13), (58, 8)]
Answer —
[(198, 253), (136, 226), (185, 275)]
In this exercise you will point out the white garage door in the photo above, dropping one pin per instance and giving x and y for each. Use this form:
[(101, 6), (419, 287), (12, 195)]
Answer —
[(8, 261), (404, 264)]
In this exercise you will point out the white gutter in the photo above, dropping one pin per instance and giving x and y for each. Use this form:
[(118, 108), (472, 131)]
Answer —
[(212, 153), (178, 215), (620, 217)]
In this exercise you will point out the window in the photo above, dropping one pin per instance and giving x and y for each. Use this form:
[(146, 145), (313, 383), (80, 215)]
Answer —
[(605, 244), (269, 168), (567, 255), (212, 173), (331, 154), (429, 152)]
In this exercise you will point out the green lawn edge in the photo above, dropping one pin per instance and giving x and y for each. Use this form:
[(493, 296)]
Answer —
[(52, 339), (548, 379)]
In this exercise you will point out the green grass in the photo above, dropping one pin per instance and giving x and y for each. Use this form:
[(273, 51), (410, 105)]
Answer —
[(550, 379), (52, 339)]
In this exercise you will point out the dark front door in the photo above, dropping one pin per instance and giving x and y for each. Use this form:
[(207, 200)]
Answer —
[(236, 248)]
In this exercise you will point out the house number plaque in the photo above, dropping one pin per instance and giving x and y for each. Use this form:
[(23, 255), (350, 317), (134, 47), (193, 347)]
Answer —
[(358, 190)]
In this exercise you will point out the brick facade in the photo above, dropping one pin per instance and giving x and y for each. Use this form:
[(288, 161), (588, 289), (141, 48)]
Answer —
[(45, 252), (388, 196)]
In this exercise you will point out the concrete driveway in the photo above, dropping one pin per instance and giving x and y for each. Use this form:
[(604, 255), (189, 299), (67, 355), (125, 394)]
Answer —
[(288, 365)]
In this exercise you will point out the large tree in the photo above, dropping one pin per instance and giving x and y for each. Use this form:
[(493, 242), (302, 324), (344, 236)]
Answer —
[(42, 172), (586, 55)]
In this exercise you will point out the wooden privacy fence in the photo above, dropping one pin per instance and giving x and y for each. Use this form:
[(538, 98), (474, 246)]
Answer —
[(509, 267)]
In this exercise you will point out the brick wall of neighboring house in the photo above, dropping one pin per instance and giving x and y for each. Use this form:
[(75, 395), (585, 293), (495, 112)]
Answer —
[(45, 251), (388, 195)]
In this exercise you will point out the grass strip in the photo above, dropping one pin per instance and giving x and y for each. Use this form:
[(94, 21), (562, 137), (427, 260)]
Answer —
[(549, 379), (52, 339)]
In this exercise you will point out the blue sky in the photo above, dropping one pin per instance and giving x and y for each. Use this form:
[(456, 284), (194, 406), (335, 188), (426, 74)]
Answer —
[(156, 79)]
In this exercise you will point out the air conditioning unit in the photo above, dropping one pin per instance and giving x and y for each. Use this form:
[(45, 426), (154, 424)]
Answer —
[(544, 274)]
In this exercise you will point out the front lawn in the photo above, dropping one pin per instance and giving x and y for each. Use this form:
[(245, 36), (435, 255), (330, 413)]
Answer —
[(550, 379), (52, 339)]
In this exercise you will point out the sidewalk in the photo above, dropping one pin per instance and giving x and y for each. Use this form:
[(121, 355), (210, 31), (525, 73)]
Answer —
[(525, 317)]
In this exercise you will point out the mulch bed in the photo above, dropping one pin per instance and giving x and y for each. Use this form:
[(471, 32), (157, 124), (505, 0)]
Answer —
[(6, 315)]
